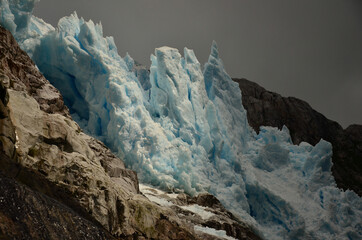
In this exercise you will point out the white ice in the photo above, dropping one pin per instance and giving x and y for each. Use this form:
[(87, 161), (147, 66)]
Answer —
[(213, 232), (182, 127), (199, 210)]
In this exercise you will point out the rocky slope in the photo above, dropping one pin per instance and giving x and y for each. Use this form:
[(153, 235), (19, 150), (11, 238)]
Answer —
[(59, 183), (28, 214), (265, 108)]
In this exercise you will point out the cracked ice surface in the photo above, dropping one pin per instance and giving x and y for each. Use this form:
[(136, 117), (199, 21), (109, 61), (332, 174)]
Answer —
[(182, 127)]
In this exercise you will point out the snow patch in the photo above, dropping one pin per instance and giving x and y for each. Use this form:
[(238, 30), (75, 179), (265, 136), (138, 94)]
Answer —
[(199, 210), (160, 201), (153, 195), (213, 232)]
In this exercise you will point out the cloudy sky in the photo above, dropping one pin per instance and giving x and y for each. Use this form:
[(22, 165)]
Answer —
[(310, 49)]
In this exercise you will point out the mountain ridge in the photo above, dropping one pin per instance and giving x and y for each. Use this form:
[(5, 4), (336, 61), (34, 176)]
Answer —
[(266, 108)]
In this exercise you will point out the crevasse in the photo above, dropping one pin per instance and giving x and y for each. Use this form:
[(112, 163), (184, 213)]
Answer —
[(182, 127)]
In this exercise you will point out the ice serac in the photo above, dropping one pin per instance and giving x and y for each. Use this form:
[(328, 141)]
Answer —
[(75, 187), (17, 17), (265, 108), (183, 128)]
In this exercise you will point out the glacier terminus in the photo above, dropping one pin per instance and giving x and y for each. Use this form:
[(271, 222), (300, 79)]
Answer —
[(182, 127)]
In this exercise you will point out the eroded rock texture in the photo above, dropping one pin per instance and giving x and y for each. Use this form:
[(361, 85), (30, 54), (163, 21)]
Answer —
[(28, 214), (48, 152), (265, 108)]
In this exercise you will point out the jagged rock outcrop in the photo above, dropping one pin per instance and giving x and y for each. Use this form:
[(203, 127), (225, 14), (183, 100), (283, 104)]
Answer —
[(265, 108), (204, 211), (25, 76), (49, 152), (28, 214), (63, 183)]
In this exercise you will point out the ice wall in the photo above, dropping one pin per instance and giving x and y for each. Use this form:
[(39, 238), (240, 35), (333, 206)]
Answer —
[(183, 128)]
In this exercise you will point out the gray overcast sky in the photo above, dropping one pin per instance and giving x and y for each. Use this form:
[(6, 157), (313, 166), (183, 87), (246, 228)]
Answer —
[(310, 49)]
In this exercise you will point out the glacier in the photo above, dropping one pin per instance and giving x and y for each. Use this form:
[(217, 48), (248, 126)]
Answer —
[(183, 128)]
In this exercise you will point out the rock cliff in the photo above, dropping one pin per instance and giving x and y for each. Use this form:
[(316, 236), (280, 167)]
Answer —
[(265, 108), (56, 182)]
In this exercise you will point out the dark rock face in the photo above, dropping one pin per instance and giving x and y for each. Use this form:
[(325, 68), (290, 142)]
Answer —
[(27, 214), (23, 75), (7, 130), (207, 200), (265, 108)]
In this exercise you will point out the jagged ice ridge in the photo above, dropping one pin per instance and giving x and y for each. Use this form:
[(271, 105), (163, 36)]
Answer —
[(183, 128)]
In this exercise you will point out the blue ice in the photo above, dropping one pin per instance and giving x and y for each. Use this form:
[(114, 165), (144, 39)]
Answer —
[(182, 127)]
